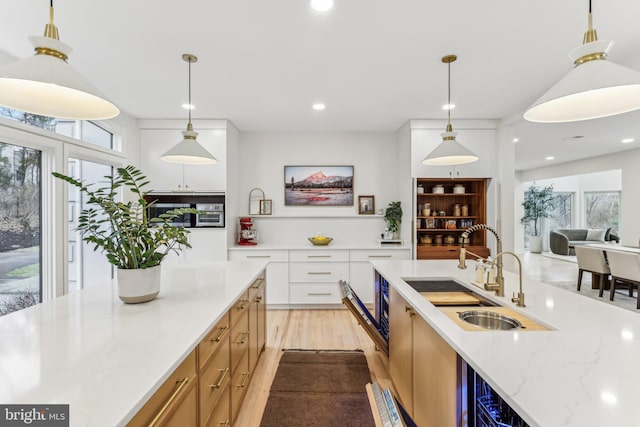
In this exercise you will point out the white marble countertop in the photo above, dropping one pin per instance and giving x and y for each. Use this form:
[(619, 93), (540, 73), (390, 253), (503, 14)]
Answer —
[(105, 358), (331, 246), (581, 373)]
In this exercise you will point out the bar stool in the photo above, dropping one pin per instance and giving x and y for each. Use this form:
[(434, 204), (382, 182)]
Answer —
[(592, 260)]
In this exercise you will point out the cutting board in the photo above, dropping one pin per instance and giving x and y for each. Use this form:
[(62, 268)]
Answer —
[(450, 298)]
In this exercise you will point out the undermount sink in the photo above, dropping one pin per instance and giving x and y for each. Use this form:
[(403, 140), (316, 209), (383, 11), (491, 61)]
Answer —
[(490, 320)]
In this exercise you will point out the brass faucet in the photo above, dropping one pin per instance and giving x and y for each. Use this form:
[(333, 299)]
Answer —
[(519, 300), (498, 286)]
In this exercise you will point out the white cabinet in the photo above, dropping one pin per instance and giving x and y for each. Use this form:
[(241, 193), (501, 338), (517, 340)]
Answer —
[(480, 141), (314, 275), (277, 272), (172, 177), (361, 272)]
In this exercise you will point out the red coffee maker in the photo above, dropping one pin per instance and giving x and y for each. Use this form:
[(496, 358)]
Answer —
[(247, 235)]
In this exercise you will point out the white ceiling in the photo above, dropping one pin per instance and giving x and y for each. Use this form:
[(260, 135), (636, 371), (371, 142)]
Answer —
[(375, 63)]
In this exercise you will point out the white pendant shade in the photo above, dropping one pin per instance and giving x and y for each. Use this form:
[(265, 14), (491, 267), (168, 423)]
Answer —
[(593, 89), (449, 152), (189, 151), (47, 85)]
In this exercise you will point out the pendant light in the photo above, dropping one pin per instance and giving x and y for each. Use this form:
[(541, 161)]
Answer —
[(594, 88), (45, 84), (189, 150), (450, 151)]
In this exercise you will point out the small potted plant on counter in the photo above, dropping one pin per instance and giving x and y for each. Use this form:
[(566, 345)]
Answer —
[(393, 218), (538, 203), (131, 241)]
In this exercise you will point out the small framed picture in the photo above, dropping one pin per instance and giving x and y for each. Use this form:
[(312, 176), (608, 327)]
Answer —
[(265, 207), (366, 205)]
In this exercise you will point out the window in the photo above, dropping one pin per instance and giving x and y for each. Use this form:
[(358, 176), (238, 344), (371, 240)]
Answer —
[(602, 209), (20, 227), (562, 210)]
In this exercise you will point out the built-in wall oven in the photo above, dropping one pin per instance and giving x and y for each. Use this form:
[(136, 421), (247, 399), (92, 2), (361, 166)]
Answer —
[(211, 207)]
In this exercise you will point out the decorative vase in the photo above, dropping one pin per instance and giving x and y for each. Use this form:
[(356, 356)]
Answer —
[(138, 285), (535, 244)]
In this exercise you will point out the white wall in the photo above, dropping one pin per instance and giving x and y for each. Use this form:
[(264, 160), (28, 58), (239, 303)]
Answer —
[(627, 161), (262, 160)]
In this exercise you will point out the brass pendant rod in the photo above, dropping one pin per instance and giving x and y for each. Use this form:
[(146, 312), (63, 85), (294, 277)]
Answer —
[(190, 106)]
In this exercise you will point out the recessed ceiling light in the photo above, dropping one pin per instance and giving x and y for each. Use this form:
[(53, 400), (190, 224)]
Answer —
[(627, 140), (549, 157), (322, 5), (516, 139), (188, 106), (448, 106), (318, 106)]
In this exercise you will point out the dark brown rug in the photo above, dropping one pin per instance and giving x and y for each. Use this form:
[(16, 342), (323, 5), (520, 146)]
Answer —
[(319, 388)]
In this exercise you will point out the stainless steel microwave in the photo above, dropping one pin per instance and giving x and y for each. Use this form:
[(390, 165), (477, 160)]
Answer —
[(211, 206)]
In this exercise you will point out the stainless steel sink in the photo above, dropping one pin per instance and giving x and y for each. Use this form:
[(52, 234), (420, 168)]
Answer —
[(490, 320)]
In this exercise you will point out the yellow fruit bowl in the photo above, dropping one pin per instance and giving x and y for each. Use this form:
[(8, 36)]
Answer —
[(320, 241)]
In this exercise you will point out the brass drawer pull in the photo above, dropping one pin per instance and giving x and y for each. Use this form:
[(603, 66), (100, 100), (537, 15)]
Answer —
[(224, 423), (221, 379), (258, 299), (223, 332), (244, 381), (318, 272), (243, 305), (181, 384), (245, 335), (318, 293)]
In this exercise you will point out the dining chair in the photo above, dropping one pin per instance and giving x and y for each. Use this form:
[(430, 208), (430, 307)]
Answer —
[(625, 270), (592, 260)]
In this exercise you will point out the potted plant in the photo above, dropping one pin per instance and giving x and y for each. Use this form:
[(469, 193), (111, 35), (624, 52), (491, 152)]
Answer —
[(133, 242), (538, 203), (393, 218)]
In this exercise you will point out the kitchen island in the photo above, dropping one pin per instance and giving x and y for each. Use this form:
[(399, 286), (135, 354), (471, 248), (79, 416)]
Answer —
[(580, 372), (105, 358)]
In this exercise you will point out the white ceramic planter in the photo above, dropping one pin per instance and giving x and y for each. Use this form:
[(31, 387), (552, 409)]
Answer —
[(535, 244), (138, 285)]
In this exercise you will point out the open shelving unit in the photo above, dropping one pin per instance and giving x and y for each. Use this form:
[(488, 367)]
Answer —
[(437, 235)]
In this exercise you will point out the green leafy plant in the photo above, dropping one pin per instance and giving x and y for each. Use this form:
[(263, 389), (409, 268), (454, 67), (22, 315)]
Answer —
[(123, 231), (538, 203), (393, 216)]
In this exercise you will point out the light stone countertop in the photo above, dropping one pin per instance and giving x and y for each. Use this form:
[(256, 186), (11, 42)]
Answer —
[(105, 358), (308, 246), (583, 373)]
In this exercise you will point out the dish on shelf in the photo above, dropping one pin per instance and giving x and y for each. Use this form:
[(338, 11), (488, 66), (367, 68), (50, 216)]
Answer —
[(320, 241)]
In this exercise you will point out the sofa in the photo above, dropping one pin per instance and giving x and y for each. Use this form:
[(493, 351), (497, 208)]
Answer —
[(562, 241)]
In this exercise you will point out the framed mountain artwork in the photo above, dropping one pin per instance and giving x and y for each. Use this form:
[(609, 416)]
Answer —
[(318, 185)]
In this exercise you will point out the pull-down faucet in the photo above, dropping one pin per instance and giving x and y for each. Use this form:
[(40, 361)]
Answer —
[(498, 287)]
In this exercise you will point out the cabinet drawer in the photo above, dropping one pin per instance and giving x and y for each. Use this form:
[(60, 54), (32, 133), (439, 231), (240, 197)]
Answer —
[(218, 336), (314, 293), (318, 271), (239, 308), (255, 289), (239, 384), (271, 256), (372, 255), (239, 339), (173, 399), (319, 255), (221, 416), (213, 381)]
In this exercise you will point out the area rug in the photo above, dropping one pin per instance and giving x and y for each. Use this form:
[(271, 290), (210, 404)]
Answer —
[(567, 258), (319, 388), (621, 299)]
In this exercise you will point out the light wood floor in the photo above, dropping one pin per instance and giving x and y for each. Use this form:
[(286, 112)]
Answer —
[(306, 329), (338, 329)]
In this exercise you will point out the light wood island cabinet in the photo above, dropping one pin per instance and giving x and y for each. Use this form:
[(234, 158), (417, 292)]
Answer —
[(208, 387), (423, 367)]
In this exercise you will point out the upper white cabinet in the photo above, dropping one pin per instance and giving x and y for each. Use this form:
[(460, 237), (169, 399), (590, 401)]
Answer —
[(477, 136), (156, 137)]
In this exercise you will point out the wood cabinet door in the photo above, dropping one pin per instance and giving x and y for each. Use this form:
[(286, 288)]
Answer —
[(401, 348), (434, 379)]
